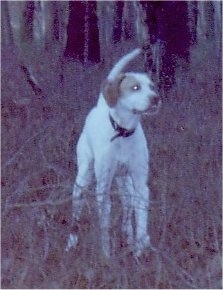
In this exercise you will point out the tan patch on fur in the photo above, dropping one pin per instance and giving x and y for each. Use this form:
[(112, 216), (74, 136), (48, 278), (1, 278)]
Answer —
[(111, 90)]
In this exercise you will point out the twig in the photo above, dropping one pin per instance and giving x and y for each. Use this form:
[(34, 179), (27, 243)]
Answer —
[(183, 274), (32, 81), (40, 203), (14, 156)]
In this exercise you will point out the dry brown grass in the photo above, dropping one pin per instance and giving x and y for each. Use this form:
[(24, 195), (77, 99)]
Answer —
[(39, 165)]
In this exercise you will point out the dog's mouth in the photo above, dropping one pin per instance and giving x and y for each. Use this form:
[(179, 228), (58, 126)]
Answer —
[(139, 112), (152, 109)]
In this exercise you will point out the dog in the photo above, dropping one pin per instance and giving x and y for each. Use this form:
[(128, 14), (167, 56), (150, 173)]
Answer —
[(111, 146)]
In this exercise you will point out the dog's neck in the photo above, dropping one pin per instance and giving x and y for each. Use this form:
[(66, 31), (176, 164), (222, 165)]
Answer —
[(124, 117)]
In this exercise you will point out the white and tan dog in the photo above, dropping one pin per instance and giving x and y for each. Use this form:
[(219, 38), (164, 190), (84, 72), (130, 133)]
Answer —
[(113, 144)]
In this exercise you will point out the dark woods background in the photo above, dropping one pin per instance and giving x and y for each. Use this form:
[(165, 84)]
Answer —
[(55, 54)]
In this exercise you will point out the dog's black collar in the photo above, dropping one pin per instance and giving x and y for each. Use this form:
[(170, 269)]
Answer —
[(122, 132)]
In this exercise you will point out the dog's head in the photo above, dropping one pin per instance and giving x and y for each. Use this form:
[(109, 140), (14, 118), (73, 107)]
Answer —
[(134, 91)]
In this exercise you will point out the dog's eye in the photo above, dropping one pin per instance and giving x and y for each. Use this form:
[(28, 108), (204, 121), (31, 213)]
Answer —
[(136, 87)]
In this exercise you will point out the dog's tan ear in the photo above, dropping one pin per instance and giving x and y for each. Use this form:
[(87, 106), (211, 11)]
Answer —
[(111, 90)]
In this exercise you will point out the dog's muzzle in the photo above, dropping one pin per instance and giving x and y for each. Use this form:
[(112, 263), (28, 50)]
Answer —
[(153, 108)]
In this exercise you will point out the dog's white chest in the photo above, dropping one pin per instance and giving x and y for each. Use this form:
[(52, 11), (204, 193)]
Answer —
[(124, 150)]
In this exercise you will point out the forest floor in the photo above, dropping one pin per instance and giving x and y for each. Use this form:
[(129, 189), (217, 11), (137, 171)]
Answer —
[(39, 136)]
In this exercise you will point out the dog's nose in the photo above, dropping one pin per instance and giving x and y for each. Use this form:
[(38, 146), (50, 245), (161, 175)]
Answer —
[(155, 100)]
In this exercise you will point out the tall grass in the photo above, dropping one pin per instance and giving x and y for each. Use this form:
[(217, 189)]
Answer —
[(39, 166)]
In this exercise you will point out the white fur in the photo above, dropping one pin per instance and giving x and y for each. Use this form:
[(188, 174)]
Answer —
[(124, 159)]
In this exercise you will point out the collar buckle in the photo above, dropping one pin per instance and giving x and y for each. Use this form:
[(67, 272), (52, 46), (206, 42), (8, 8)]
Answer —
[(122, 132)]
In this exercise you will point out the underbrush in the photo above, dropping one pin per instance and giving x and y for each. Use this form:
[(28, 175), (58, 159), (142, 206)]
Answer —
[(39, 137)]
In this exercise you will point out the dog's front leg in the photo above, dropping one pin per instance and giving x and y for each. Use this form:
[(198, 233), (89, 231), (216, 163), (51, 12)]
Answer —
[(126, 191), (82, 181), (104, 175), (104, 210)]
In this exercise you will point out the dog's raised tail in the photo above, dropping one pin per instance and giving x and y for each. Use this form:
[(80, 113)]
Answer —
[(119, 66)]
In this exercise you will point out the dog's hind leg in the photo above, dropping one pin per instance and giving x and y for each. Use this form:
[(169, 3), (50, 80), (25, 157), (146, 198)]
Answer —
[(84, 175)]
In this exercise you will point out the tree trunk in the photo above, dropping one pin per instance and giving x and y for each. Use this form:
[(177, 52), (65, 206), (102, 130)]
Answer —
[(117, 30), (39, 24), (16, 9), (6, 31), (192, 20), (167, 23), (63, 14), (218, 25), (76, 30), (106, 16), (140, 23), (92, 38), (27, 24), (82, 31), (205, 24)]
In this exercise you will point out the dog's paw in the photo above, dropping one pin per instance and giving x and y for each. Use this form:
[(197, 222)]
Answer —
[(71, 242)]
